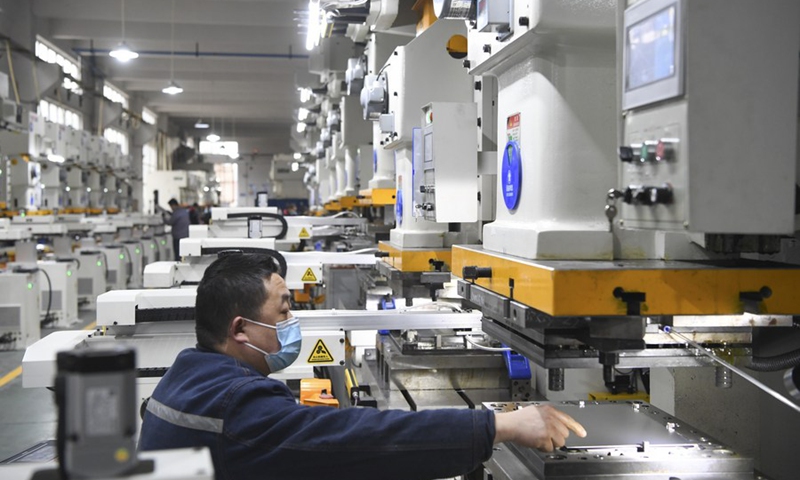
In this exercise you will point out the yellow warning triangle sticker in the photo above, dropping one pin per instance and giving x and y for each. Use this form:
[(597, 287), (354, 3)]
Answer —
[(303, 233), (320, 354), (309, 276)]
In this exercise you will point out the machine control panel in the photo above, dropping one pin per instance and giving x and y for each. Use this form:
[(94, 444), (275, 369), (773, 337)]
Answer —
[(445, 164), (661, 150), (693, 154)]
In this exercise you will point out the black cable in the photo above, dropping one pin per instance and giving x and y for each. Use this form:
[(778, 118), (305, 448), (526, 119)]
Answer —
[(105, 264), (47, 320), (276, 216), (775, 363), (129, 264)]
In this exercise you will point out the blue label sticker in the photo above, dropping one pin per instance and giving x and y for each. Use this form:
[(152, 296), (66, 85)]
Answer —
[(511, 175), (398, 207), (374, 161)]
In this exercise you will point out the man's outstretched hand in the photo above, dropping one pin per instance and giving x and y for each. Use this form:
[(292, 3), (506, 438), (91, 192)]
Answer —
[(541, 427)]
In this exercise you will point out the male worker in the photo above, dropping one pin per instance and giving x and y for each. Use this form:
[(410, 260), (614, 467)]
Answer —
[(179, 219), (219, 395)]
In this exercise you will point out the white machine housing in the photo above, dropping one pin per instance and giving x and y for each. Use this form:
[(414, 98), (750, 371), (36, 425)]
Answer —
[(60, 294), (445, 173), (91, 275), (19, 309), (556, 78), (415, 75)]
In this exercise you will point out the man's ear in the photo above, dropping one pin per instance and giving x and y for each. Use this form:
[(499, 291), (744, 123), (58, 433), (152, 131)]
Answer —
[(236, 330)]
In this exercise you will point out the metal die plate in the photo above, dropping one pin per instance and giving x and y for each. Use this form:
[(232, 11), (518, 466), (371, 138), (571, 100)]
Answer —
[(629, 439)]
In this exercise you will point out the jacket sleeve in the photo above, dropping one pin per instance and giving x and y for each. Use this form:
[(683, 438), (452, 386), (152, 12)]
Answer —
[(268, 430)]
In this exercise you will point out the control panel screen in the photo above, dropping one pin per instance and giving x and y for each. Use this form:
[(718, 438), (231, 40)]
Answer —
[(651, 49)]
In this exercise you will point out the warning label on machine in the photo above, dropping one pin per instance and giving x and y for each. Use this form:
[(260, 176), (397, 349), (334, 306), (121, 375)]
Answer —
[(512, 127), (309, 276), (320, 354), (303, 233)]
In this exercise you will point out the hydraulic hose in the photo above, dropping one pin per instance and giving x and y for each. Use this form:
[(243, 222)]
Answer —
[(776, 363)]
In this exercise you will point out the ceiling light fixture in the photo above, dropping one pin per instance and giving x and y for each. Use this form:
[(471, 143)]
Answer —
[(173, 88), (123, 52), (200, 124), (314, 27)]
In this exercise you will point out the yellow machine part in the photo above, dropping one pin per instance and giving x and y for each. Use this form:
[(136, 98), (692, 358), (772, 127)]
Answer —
[(350, 381), (70, 210), (414, 259), (304, 295), (606, 396), (427, 16), (94, 211), (377, 197), (36, 213), (333, 206), (112, 211), (585, 288), (349, 202), (316, 392)]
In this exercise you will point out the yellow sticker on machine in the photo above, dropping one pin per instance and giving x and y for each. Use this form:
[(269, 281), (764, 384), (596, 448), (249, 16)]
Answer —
[(303, 233), (309, 276), (320, 354)]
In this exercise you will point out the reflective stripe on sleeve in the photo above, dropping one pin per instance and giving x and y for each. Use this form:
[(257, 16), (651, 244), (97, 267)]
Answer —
[(181, 419)]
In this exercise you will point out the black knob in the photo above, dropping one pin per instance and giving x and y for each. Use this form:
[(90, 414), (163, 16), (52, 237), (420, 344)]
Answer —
[(487, 48), (478, 85), (524, 21), (381, 254), (627, 195), (643, 197), (466, 63), (422, 189), (661, 195), (436, 264), (626, 154), (473, 272)]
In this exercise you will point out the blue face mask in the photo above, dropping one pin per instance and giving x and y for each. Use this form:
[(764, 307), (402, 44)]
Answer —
[(290, 339)]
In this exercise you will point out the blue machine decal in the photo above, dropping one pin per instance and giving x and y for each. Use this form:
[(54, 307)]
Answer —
[(374, 161), (511, 174), (398, 207)]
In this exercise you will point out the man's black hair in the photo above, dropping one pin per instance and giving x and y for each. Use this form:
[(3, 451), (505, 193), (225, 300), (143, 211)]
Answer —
[(232, 286), (172, 201)]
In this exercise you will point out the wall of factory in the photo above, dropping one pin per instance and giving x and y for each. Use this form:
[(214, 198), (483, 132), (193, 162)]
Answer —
[(253, 178)]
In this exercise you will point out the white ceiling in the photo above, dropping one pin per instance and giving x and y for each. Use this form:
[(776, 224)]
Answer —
[(244, 75)]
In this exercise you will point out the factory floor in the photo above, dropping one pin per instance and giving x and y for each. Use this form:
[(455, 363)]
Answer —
[(28, 416)]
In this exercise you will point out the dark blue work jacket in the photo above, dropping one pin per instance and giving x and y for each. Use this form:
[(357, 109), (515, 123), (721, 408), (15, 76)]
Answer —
[(256, 430)]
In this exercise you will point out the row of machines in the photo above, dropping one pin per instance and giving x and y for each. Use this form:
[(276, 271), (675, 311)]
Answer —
[(53, 267), (53, 168), (611, 185)]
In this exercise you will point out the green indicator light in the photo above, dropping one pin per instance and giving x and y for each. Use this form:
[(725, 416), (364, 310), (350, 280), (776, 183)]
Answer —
[(69, 273), (138, 251), (152, 247), (99, 264), (121, 256), (22, 214), (30, 286), (163, 242)]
